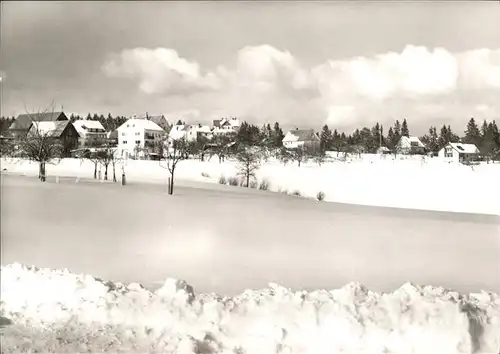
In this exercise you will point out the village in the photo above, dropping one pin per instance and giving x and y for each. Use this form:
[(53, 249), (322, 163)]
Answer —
[(146, 137)]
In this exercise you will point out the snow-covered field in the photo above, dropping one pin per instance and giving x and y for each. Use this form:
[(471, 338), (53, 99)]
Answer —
[(240, 240), (405, 182), (57, 311)]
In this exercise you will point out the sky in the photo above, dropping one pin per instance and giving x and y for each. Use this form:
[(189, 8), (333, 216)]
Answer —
[(304, 64)]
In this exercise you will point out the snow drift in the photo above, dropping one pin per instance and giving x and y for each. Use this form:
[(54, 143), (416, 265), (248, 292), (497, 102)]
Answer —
[(57, 311)]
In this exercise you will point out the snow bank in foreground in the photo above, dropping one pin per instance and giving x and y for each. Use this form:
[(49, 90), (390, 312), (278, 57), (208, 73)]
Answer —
[(63, 312)]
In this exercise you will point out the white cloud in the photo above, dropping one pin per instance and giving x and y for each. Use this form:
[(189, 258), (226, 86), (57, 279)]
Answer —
[(159, 70), (415, 71), (269, 83)]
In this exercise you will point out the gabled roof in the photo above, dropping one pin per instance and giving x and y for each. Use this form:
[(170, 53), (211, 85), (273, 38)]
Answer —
[(200, 128), (411, 139), (50, 129), (465, 148), (159, 120), (23, 121), (301, 135), (82, 125), (142, 124)]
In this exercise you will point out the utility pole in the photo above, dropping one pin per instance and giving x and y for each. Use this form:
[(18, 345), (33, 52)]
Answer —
[(380, 135)]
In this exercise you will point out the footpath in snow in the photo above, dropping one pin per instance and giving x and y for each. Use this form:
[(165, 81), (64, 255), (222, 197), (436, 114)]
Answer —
[(47, 310)]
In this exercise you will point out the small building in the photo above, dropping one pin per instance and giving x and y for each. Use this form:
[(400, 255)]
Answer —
[(177, 132), (305, 138), (226, 126), (23, 122), (383, 150), (458, 152), (62, 132), (139, 138), (92, 133), (410, 145), (197, 131)]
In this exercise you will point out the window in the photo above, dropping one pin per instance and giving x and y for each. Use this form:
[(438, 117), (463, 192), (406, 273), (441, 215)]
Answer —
[(448, 152), (124, 141), (123, 134), (137, 133), (137, 141), (128, 125)]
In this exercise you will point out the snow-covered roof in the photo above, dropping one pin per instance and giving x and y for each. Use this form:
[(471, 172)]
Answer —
[(409, 140), (142, 124), (300, 135), (81, 125), (200, 128), (53, 129), (177, 132), (465, 148), (233, 122)]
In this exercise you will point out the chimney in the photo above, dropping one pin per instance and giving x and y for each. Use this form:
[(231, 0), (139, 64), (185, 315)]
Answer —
[(147, 116), (296, 128)]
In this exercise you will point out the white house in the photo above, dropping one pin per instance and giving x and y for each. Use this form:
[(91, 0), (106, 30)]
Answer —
[(226, 125), (306, 138), (458, 152), (194, 132), (410, 145), (138, 137), (177, 132), (91, 132)]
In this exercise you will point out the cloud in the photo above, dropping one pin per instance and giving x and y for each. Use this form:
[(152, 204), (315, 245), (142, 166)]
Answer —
[(268, 83), (159, 71)]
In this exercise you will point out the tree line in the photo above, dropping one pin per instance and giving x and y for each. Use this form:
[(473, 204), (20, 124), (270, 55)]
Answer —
[(365, 139)]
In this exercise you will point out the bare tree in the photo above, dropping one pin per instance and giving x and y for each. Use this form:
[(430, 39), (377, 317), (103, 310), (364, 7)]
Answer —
[(299, 155), (249, 160), (171, 157), (221, 146), (106, 156), (319, 156), (93, 157), (40, 146)]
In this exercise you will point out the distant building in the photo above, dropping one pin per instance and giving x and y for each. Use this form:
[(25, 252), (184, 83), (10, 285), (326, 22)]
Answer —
[(91, 132), (194, 132), (305, 138), (410, 145), (226, 126), (139, 138), (62, 132), (177, 132), (22, 123), (383, 150), (457, 152)]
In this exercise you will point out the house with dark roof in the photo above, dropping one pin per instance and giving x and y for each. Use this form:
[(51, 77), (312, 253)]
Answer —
[(22, 123), (161, 121), (62, 132), (458, 152), (305, 138)]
